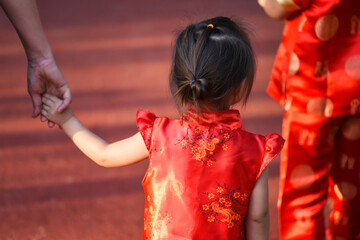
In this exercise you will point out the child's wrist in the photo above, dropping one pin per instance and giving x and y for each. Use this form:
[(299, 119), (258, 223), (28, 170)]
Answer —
[(69, 115)]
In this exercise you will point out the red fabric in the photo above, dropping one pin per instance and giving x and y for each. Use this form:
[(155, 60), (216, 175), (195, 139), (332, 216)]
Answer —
[(202, 171), (316, 69), (315, 149), (345, 173), (316, 77), (304, 175)]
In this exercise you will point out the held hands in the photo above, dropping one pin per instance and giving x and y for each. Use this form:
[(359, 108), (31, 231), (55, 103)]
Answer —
[(45, 77), (50, 106), (43, 74)]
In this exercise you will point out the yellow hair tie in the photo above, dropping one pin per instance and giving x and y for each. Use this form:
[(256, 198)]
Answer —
[(210, 26)]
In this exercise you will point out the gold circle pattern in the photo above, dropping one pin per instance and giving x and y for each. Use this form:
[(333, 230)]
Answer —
[(326, 27)]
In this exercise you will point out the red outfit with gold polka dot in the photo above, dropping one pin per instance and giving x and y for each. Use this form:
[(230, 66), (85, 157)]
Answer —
[(203, 168), (316, 76)]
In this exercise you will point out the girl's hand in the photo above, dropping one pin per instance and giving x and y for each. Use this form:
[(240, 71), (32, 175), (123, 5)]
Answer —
[(50, 106)]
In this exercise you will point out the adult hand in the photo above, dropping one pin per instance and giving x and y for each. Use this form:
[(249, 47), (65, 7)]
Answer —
[(43, 74), (45, 77)]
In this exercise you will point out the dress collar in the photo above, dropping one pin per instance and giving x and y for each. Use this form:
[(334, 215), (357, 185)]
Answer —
[(212, 118)]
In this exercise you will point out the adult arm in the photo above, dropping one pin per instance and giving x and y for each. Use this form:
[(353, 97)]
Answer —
[(257, 217), (43, 73)]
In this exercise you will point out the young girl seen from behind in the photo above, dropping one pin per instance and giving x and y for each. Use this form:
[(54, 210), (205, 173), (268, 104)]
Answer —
[(206, 177)]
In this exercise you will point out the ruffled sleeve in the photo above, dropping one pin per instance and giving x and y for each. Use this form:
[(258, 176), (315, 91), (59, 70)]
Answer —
[(145, 121), (273, 145)]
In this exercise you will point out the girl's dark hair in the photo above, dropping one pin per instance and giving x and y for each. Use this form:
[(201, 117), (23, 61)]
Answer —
[(213, 65)]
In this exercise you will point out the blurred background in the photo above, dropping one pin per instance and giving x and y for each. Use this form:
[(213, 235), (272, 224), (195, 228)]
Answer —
[(116, 58)]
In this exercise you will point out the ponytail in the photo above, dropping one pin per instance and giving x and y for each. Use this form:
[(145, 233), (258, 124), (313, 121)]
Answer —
[(213, 65)]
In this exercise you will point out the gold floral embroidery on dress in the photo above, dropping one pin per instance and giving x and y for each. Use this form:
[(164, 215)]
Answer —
[(146, 134), (156, 223), (158, 227), (225, 205), (175, 186), (203, 143), (157, 218)]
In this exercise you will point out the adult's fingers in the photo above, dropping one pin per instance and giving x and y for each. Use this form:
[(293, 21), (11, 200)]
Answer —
[(36, 102), (51, 124), (66, 100), (43, 118)]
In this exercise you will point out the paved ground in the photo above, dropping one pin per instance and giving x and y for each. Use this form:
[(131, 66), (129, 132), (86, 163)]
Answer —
[(116, 57)]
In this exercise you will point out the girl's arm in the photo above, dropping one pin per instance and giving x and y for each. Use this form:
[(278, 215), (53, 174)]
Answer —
[(120, 153), (257, 217)]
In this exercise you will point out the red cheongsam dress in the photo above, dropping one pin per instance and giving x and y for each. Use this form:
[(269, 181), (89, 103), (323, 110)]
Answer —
[(202, 170), (316, 76)]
